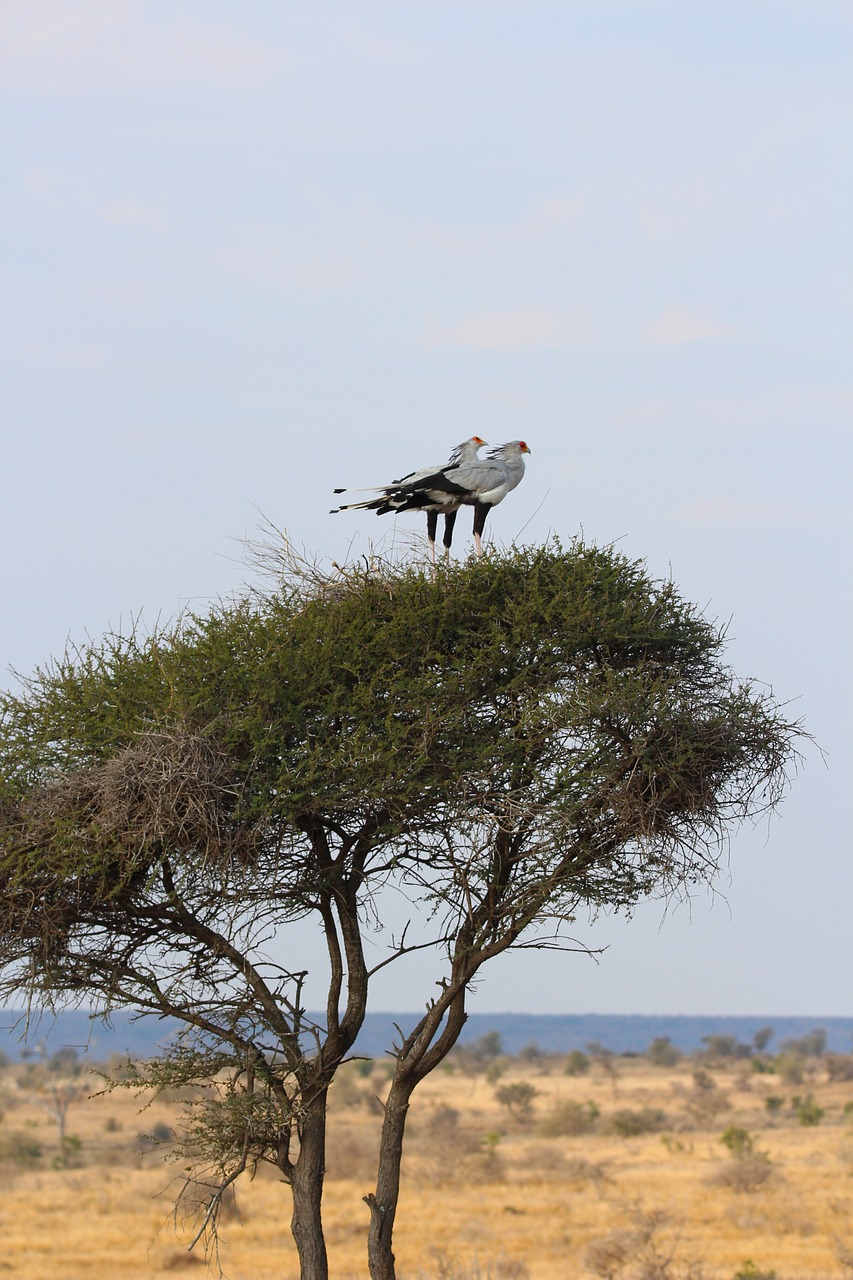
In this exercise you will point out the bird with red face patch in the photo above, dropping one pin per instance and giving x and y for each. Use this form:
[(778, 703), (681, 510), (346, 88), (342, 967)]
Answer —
[(428, 489), (489, 481), (465, 480)]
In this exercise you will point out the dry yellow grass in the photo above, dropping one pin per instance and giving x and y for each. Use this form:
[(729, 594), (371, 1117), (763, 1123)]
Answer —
[(519, 1196)]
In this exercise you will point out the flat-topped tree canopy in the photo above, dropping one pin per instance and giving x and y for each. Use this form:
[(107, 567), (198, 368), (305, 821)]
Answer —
[(546, 728)]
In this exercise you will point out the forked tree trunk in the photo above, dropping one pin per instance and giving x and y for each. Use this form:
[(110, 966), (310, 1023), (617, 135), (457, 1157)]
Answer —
[(383, 1205), (306, 1184)]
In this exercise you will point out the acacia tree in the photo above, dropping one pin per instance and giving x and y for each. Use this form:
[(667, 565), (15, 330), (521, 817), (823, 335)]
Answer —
[(518, 739)]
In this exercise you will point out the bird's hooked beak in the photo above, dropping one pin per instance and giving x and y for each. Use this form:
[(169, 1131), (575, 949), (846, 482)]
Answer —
[(478, 441), (523, 448)]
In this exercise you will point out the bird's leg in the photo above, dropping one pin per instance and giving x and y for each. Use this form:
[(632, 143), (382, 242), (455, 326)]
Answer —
[(432, 529), (449, 522), (480, 513)]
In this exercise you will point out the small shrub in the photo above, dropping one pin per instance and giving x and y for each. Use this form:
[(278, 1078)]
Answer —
[(749, 1169), (807, 1110), (790, 1067), (844, 1254), (746, 1173), (568, 1119), (606, 1256), (737, 1140), (69, 1155), (749, 1271), (808, 1046), (490, 1162), (448, 1151), (577, 1063), (517, 1099), (65, 1062), (158, 1137), (445, 1266), (20, 1149), (662, 1052), (475, 1055), (349, 1088), (377, 1083), (839, 1066), (581, 1170), (773, 1102), (630, 1124), (351, 1153), (705, 1100), (675, 1146), (641, 1250), (723, 1046)]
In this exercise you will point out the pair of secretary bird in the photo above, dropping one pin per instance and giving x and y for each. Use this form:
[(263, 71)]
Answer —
[(465, 480)]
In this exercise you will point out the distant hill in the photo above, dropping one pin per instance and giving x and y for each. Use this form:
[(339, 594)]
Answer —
[(551, 1033)]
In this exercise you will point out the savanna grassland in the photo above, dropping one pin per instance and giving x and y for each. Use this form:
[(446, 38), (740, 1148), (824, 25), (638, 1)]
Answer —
[(527, 1168)]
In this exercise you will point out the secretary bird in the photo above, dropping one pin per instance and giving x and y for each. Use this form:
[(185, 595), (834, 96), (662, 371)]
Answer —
[(489, 481), (430, 489)]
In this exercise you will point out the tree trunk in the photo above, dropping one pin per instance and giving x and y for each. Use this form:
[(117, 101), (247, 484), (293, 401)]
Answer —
[(306, 1184), (383, 1205)]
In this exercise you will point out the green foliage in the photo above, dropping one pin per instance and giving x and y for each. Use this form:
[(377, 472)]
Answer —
[(807, 1046), (568, 1119), (749, 1169), (628, 1123), (739, 1141), (807, 1110), (500, 746), (705, 1100), (65, 1062), (19, 1148), (662, 1052), (382, 698), (486, 1047), (350, 1089), (722, 1046), (749, 1271), (481, 1054), (773, 1102), (496, 1068), (839, 1066), (517, 1099), (790, 1067), (577, 1063)]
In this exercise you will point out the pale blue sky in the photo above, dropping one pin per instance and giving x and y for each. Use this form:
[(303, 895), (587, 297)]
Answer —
[(253, 252)]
